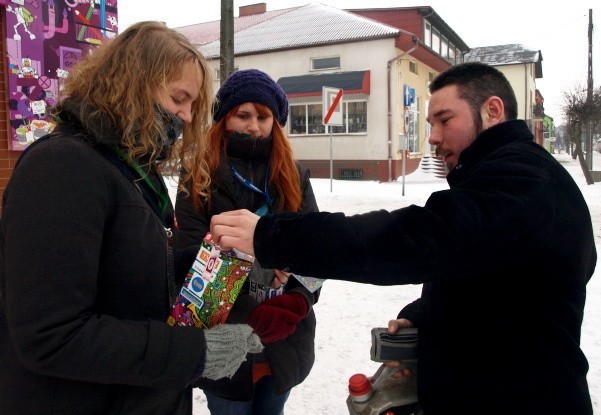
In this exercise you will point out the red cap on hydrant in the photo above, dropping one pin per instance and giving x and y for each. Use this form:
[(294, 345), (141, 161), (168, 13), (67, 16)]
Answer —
[(359, 386)]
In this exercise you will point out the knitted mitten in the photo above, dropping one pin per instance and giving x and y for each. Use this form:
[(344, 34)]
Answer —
[(227, 347)]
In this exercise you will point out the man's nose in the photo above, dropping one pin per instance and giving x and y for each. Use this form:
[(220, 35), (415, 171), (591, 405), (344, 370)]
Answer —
[(435, 136)]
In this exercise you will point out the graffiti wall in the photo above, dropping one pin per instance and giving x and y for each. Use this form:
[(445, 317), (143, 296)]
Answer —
[(44, 39)]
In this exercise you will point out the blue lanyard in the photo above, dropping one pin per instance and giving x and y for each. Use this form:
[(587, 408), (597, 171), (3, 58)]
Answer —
[(251, 186)]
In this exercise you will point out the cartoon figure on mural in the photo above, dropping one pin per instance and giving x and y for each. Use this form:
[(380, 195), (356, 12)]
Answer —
[(24, 18), (113, 21), (27, 71)]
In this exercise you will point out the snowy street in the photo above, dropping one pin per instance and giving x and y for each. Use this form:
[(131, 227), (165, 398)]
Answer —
[(344, 319)]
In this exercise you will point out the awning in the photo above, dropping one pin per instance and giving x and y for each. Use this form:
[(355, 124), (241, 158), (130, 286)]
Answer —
[(355, 82)]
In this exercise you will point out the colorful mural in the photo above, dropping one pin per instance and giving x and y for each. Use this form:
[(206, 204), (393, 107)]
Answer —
[(44, 38)]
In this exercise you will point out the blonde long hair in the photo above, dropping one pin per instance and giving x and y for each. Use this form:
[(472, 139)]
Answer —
[(121, 78)]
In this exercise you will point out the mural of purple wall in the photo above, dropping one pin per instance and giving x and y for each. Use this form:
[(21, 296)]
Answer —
[(44, 39)]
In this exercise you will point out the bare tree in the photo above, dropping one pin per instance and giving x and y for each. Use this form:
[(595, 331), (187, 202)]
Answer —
[(581, 114)]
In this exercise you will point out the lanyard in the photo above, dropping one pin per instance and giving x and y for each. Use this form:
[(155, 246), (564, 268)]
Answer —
[(251, 186), (162, 194)]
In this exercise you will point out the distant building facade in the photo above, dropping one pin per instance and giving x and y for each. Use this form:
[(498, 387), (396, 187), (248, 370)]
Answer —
[(522, 67), (383, 68)]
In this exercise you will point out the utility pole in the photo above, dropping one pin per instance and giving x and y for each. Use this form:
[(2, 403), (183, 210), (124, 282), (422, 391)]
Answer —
[(226, 31), (589, 93)]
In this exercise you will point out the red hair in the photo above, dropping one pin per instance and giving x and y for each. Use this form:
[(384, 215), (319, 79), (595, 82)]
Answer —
[(283, 174)]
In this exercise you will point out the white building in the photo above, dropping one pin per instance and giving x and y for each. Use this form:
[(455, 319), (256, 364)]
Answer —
[(308, 47)]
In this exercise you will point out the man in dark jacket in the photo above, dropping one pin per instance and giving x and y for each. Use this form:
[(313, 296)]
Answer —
[(504, 256)]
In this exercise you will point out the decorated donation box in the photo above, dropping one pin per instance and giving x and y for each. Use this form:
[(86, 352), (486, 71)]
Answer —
[(211, 286)]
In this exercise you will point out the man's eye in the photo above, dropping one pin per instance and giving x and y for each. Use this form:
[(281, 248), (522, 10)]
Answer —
[(177, 101)]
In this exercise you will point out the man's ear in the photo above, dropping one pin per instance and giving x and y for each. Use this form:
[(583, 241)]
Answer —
[(492, 112)]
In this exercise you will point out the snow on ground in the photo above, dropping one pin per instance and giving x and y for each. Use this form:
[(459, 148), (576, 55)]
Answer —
[(346, 311)]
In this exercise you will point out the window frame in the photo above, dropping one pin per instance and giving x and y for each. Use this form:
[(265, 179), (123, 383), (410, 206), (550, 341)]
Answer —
[(326, 128), (325, 58)]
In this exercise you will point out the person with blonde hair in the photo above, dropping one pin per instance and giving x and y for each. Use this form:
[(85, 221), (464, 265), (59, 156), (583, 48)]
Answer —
[(251, 164), (86, 241)]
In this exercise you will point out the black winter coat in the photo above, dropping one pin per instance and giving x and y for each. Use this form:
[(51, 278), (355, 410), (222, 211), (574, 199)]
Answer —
[(504, 256), (84, 294), (290, 359)]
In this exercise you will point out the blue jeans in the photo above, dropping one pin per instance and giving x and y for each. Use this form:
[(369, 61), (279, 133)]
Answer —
[(264, 401)]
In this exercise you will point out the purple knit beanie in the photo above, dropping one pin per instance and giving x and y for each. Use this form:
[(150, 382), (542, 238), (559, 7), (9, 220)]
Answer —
[(251, 85)]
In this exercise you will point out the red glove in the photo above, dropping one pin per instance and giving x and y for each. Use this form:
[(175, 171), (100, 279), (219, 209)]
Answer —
[(276, 318)]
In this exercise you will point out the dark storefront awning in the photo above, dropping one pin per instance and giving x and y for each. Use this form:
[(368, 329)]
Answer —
[(355, 82)]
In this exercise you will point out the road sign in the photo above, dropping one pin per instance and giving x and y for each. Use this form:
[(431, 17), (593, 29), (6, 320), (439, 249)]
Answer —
[(408, 95), (332, 105)]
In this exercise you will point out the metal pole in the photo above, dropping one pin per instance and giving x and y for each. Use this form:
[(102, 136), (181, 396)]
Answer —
[(331, 160), (404, 162), (589, 91)]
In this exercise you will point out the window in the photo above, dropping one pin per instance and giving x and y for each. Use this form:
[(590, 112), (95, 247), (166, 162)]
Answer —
[(308, 119), (452, 54), (413, 128), (298, 119), (315, 119), (357, 116), (440, 44), (436, 40), (325, 63), (413, 67), (444, 47), (427, 34)]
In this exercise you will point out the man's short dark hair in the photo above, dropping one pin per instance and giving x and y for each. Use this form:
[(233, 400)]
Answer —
[(476, 82)]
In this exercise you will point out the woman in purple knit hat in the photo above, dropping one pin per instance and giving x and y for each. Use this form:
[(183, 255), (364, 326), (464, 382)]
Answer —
[(252, 167)]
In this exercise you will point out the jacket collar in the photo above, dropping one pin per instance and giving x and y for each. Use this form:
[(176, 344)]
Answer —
[(487, 142), (75, 114)]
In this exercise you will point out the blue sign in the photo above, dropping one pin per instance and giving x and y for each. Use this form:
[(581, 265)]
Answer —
[(407, 95)]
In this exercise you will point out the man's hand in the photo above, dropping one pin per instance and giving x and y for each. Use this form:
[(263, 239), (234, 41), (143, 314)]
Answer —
[(235, 229), (393, 327)]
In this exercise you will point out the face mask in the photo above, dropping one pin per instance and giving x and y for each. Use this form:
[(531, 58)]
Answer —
[(173, 127)]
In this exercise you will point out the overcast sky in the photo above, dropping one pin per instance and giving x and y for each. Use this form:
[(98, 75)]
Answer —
[(559, 31)]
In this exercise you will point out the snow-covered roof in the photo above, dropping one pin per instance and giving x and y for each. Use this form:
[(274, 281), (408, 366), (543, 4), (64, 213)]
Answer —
[(296, 27), (503, 55)]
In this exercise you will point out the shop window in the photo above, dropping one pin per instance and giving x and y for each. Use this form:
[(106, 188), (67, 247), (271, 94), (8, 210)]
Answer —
[(298, 119), (357, 117), (315, 119), (308, 119)]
